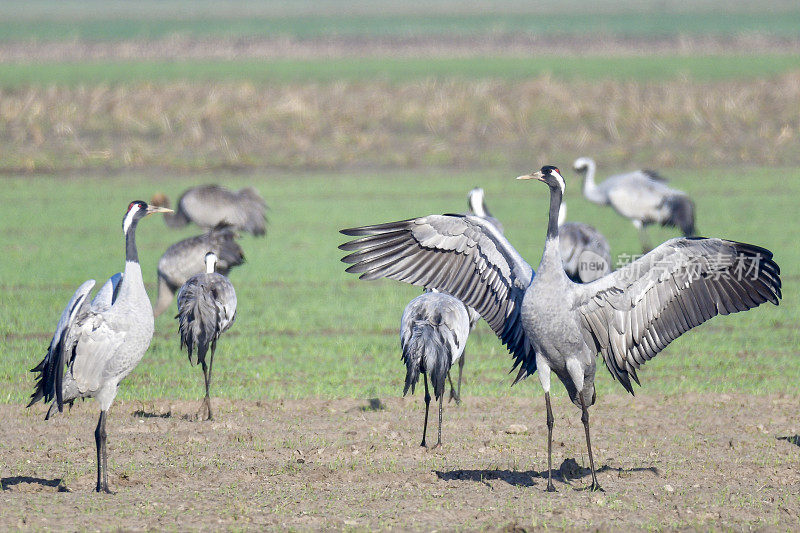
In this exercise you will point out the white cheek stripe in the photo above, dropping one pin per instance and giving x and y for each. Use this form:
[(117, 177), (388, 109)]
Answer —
[(561, 182), (129, 219)]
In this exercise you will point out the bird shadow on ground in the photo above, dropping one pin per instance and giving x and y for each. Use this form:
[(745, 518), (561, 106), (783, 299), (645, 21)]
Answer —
[(568, 471), (794, 439), (141, 413), (8, 483), (374, 404)]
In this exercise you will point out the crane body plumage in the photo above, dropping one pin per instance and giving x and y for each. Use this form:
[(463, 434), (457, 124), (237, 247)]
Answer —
[(186, 258), (206, 309), (433, 333), (551, 324), (210, 206), (98, 343), (585, 252)]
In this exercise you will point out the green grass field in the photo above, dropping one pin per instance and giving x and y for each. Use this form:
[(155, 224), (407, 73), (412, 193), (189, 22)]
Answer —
[(700, 68), (94, 20), (307, 329)]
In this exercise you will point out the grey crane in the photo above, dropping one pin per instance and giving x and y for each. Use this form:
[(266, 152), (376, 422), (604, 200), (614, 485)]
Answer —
[(585, 252), (210, 206), (101, 342), (206, 309), (186, 258), (433, 333), (550, 323), (642, 196), (477, 206)]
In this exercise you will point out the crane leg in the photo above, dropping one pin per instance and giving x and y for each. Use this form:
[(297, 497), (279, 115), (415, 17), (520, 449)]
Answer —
[(456, 394), (102, 456), (585, 419), (550, 422), (205, 408), (439, 440), (427, 405), (453, 393), (644, 239), (208, 381)]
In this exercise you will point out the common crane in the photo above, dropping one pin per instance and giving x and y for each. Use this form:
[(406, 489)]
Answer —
[(433, 332), (642, 197), (585, 252), (186, 258), (210, 206), (477, 206), (101, 342), (550, 323), (206, 309)]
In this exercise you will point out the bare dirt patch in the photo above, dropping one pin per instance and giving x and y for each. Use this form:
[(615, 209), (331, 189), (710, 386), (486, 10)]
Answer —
[(694, 461)]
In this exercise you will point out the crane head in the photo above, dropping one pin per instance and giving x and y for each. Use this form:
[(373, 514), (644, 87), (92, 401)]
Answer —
[(139, 209), (549, 175)]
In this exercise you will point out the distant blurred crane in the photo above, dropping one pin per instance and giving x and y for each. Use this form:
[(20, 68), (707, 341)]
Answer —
[(477, 206), (585, 252), (206, 309), (642, 197), (100, 342), (210, 206), (186, 258), (433, 332)]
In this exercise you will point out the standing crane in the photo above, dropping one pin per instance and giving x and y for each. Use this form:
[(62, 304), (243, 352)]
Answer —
[(186, 258), (584, 250), (642, 196), (101, 342), (433, 333), (550, 323), (210, 206), (206, 309)]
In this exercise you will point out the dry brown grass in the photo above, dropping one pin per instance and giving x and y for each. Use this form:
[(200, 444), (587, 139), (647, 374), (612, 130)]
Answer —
[(182, 48), (383, 125)]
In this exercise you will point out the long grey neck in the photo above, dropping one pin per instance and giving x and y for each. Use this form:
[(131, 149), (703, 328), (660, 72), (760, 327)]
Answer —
[(551, 259), (131, 255), (132, 282), (476, 204), (552, 221), (590, 191)]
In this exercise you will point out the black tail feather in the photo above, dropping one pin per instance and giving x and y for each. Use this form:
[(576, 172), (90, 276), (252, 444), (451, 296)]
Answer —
[(681, 214), (427, 351)]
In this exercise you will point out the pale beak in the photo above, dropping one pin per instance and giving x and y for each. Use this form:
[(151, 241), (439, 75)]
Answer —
[(155, 209), (535, 176)]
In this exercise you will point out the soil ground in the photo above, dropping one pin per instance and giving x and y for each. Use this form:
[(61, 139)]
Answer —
[(705, 461)]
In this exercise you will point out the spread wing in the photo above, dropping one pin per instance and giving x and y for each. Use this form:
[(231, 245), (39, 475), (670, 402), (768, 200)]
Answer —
[(462, 255), (638, 310)]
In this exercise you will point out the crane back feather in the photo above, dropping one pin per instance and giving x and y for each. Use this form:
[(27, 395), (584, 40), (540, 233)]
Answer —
[(433, 332), (206, 309)]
